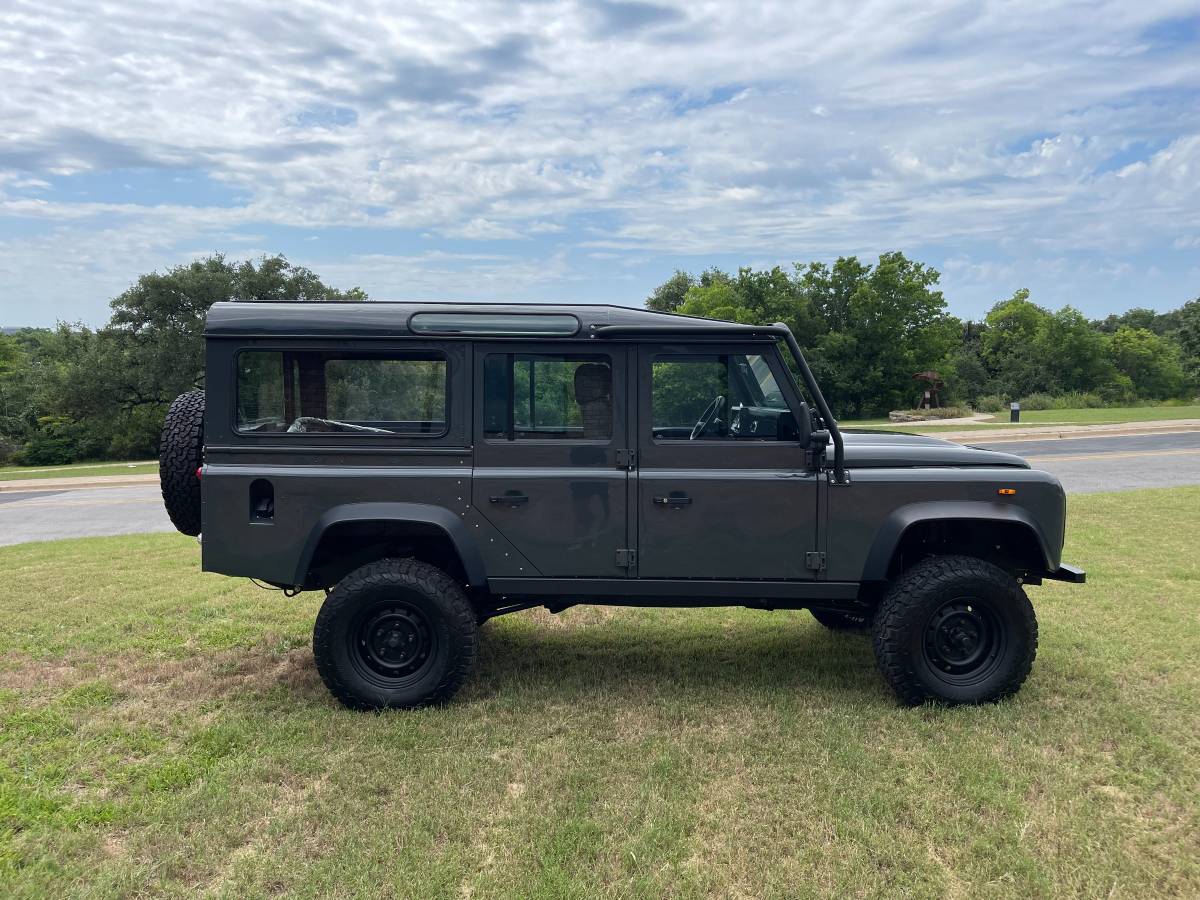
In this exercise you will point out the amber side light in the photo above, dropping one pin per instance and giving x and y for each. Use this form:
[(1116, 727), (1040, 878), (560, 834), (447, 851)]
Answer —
[(1006, 492)]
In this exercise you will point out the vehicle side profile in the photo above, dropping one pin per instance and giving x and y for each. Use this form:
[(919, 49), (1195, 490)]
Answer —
[(433, 465)]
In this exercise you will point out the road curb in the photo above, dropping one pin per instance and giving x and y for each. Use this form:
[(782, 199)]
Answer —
[(75, 484), (1067, 432)]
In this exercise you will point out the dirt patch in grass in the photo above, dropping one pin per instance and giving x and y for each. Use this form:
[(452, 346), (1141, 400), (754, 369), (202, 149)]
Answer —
[(168, 683)]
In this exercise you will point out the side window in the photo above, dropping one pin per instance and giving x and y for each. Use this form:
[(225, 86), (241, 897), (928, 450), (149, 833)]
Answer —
[(547, 397), (308, 391), (732, 397)]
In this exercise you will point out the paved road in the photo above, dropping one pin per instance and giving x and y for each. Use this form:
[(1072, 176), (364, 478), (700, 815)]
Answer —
[(46, 515), (1087, 465), (1084, 465)]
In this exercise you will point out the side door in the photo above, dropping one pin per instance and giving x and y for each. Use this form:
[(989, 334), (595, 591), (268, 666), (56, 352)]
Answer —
[(723, 489), (549, 420)]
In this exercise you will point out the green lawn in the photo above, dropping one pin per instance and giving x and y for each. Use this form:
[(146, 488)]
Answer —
[(164, 732), (78, 470), (1113, 416)]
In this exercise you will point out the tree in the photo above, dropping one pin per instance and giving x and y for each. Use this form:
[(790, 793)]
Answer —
[(1188, 338), (882, 325), (1072, 352), (92, 393), (669, 295), (152, 349), (870, 328), (1139, 317), (1150, 362)]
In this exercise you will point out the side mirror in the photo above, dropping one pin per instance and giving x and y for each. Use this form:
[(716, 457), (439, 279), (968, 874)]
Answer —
[(805, 421), (818, 441)]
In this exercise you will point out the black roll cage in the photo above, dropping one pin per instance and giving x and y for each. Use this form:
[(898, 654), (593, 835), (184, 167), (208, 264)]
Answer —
[(778, 331)]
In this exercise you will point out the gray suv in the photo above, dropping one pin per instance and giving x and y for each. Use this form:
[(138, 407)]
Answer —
[(432, 466)]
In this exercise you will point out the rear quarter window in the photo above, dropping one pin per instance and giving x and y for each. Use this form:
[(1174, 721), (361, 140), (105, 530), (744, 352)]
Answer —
[(308, 391)]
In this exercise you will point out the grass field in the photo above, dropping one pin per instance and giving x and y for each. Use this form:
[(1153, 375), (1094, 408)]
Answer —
[(78, 470), (1031, 417), (165, 733), (1116, 415)]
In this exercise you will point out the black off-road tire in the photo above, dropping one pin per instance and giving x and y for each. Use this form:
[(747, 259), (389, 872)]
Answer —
[(395, 634), (955, 629), (836, 621), (180, 454)]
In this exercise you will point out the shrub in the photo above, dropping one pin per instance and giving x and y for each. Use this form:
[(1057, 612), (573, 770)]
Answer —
[(1078, 400), (942, 412), (1069, 400), (1119, 391), (1038, 400), (992, 403), (57, 442)]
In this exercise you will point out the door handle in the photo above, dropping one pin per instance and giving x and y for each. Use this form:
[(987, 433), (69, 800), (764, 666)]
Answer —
[(509, 499), (673, 501)]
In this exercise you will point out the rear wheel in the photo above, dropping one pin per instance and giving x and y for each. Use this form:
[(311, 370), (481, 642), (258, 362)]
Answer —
[(397, 633), (956, 630)]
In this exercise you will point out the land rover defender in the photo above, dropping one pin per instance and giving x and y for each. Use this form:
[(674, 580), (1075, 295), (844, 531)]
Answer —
[(431, 466)]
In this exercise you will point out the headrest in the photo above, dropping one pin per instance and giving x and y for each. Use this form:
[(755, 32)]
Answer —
[(593, 383)]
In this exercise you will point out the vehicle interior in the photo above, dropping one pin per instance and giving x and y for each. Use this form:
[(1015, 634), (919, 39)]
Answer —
[(719, 397), (306, 391)]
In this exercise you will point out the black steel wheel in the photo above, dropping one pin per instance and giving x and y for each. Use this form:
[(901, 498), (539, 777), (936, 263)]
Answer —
[(392, 642), (956, 630), (964, 640), (397, 633)]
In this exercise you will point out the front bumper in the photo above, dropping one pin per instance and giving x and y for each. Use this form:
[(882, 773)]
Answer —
[(1073, 574)]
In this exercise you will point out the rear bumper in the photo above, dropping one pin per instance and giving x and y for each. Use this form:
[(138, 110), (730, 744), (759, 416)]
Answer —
[(1073, 574)]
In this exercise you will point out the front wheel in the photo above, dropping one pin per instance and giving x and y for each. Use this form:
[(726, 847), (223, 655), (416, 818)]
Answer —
[(397, 633), (956, 630)]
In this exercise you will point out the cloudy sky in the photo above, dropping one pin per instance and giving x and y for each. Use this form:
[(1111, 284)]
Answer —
[(583, 149)]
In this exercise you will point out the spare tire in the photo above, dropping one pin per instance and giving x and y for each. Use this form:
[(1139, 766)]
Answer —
[(180, 455)]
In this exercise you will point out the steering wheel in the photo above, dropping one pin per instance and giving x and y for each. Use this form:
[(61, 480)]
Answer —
[(708, 417)]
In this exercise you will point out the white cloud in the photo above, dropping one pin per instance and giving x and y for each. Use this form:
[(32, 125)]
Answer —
[(646, 128)]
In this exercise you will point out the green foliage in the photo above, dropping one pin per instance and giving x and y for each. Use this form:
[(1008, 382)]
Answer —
[(1069, 400), (71, 393), (669, 295), (942, 412), (1151, 363), (152, 349), (867, 329), (681, 391), (1187, 337), (58, 441), (991, 403)]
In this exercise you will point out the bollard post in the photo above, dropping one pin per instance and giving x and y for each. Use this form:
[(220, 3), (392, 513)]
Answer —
[(1014, 412)]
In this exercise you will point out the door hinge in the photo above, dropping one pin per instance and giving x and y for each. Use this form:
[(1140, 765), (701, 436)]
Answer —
[(814, 560), (626, 459), (626, 559)]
